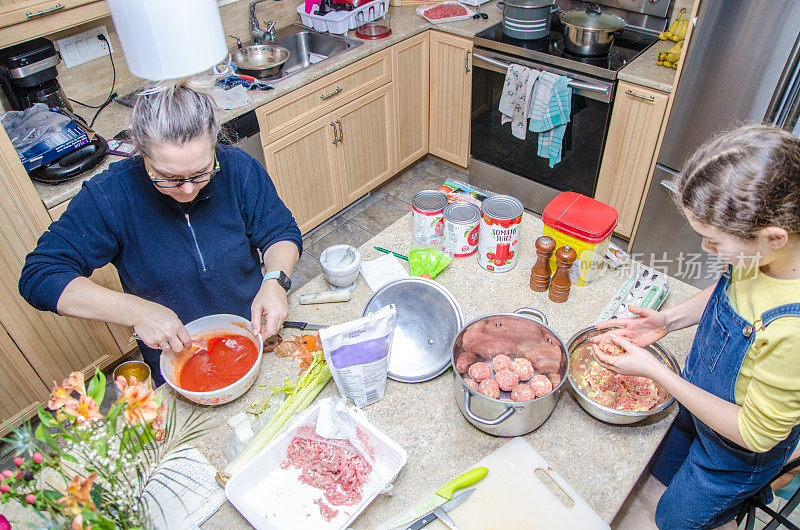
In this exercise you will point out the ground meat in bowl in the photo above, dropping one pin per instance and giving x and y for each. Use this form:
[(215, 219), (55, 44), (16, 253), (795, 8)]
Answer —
[(489, 388), (480, 371)]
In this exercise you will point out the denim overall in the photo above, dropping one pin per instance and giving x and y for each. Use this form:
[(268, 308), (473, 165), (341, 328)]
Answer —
[(708, 477)]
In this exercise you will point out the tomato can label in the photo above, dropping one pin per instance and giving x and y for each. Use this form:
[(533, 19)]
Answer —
[(501, 216), (461, 229), (427, 209)]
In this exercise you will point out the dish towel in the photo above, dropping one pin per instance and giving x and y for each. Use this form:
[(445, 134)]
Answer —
[(515, 101), (552, 101)]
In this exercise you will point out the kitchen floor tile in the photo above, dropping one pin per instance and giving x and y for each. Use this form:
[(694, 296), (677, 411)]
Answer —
[(347, 234), (381, 214), (306, 269), (393, 186), (432, 165), (423, 181)]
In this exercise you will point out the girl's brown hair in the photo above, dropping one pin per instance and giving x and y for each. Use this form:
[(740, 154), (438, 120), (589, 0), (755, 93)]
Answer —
[(744, 180)]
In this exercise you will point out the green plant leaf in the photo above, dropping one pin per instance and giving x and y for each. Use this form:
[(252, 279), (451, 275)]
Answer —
[(43, 435), (45, 417), (97, 386)]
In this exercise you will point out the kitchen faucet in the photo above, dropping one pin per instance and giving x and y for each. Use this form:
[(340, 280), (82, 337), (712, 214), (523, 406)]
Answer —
[(259, 35)]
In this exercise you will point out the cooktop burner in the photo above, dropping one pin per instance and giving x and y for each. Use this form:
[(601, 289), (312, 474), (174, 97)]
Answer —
[(628, 44)]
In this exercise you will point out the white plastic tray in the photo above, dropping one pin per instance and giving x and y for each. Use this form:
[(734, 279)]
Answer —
[(421, 12), (340, 22), (271, 498)]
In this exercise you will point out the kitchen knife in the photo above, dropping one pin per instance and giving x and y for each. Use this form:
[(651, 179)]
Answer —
[(441, 512), (441, 496), (305, 326)]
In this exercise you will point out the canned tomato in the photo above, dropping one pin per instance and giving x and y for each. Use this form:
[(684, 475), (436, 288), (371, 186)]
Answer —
[(498, 234), (461, 229), (428, 217)]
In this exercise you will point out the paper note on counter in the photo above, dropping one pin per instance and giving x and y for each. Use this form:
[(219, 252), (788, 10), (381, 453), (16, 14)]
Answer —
[(380, 271), (187, 494)]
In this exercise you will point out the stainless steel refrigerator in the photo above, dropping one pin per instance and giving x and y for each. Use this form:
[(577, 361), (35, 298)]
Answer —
[(741, 67)]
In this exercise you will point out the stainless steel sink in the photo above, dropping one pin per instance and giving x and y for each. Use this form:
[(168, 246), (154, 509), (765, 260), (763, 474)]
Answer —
[(307, 47)]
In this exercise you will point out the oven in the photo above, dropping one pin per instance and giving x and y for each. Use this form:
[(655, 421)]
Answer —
[(505, 164)]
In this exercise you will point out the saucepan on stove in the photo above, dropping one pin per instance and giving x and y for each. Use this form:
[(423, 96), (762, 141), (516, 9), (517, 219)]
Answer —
[(508, 371), (590, 31), (610, 398), (527, 19)]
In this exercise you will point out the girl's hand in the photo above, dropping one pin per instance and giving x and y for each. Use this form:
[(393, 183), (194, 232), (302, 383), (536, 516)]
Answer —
[(649, 327), (270, 301), (159, 327), (635, 360)]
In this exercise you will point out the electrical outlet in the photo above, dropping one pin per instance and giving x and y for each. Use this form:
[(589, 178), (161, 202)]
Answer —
[(84, 47)]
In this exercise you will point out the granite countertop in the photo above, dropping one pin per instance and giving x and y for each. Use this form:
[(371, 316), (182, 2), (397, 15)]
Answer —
[(645, 72), (404, 23), (424, 417)]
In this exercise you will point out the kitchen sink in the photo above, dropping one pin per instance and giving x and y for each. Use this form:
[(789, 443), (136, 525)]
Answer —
[(307, 47)]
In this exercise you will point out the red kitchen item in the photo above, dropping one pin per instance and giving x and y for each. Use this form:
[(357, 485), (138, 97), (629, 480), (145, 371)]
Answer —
[(580, 216), (372, 31)]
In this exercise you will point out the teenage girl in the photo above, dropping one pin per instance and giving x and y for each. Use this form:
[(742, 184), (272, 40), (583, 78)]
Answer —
[(740, 391)]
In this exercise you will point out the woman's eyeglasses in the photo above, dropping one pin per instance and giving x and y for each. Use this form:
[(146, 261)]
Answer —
[(174, 183)]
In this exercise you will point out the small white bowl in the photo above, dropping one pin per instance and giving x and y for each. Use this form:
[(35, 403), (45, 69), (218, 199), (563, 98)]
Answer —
[(341, 264), (171, 364)]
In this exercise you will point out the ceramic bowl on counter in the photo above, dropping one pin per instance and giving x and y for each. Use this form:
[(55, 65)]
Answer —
[(341, 264), (202, 328), (581, 359)]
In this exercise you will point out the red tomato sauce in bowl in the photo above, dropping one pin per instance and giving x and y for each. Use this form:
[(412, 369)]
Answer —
[(231, 358)]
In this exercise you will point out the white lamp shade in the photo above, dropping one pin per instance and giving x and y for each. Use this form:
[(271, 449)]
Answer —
[(168, 39)]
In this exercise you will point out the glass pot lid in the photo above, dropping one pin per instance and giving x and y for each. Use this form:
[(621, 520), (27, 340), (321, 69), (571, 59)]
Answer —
[(593, 18)]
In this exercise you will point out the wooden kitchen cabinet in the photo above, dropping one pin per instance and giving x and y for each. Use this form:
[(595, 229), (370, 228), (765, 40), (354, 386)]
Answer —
[(450, 97), (23, 20), (20, 388), (411, 92), (636, 121)]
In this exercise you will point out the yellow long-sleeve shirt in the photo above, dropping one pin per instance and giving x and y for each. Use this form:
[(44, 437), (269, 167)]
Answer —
[(768, 386)]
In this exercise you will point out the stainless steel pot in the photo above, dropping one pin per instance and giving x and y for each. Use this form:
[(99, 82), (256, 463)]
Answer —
[(590, 31), (260, 60), (514, 333), (527, 19)]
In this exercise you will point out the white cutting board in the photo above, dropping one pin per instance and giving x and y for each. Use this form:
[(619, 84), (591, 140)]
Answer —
[(512, 496)]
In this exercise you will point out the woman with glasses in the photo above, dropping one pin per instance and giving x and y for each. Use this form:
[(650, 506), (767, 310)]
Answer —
[(186, 225)]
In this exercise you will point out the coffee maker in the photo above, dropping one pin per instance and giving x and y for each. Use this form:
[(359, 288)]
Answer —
[(28, 75)]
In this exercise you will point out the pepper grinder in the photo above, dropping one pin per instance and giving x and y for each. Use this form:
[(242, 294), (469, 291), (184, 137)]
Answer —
[(560, 284), (540, 273)]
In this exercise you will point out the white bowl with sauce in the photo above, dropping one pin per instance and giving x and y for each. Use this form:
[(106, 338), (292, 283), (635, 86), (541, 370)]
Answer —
[(203, 328)]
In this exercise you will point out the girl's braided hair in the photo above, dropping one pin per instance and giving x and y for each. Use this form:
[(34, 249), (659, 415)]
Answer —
[(744, 180)]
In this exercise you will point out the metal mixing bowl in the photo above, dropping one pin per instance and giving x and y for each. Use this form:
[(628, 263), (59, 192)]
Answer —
[(578, 347), (260, 60), (428, 320)]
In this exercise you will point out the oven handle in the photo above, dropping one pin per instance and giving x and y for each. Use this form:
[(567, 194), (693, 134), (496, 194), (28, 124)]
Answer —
[(573, 84)]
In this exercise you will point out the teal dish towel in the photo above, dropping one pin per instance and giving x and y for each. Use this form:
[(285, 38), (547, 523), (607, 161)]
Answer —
[(552, 104)]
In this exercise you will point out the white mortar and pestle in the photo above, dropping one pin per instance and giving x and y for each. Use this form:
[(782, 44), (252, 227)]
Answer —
[(341, 265)]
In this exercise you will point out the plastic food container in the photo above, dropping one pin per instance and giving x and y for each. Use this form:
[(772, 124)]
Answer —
[(421, 12), (268, 500), (583, 223)]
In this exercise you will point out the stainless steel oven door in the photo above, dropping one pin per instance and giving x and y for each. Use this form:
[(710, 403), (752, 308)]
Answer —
[(502, 163)]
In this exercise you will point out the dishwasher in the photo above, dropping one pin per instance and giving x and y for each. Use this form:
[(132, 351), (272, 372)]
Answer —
[(243, 132)]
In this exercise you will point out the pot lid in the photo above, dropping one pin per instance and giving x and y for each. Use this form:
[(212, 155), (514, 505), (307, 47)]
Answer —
[(593, 18), (531, 4)]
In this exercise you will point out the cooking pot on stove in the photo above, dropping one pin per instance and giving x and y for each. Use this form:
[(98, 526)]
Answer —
[(527, 19), (524, 333), (590, 31)]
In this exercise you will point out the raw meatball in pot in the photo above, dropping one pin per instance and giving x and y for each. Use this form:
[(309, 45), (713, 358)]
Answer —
[(522, 393), (480, 371), (541, 385), (523, 368), (489, 388), (464, 361), (471, 383), (506, 379), (501, 362)]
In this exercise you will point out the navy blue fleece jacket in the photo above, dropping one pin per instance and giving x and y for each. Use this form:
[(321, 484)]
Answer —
[(196, 262)]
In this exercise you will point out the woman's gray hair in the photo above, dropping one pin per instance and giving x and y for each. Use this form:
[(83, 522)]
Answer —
[(173, 112)]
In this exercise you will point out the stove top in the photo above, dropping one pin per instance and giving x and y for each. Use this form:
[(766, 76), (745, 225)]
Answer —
[(628, 44)]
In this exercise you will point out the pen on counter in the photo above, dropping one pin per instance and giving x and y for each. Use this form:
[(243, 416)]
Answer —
[(390, 252)]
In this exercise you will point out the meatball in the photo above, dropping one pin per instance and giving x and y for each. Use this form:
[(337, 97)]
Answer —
[(464, 361), (506, 379), (489, 388), (554, 378), (501, 362), (522, 393), (541, 385), (480, 371), (471, 383), (523, 368)]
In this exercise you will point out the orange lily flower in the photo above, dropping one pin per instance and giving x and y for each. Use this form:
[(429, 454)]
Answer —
[(141, 404), (78, 495), (58, 397), (77, 523), (122, 384), (75, 382), (84, 409)]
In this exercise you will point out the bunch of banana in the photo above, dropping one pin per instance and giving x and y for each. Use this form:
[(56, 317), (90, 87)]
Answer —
[(670, 57), (677, 31)]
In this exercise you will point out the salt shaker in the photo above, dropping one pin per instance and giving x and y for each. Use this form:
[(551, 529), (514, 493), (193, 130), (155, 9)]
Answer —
[(540, 272), (560, 284)]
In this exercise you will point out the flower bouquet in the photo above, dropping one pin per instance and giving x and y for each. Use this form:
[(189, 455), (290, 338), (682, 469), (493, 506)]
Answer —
[(101, 465)]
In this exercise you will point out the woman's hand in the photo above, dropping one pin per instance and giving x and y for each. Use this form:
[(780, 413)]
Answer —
[(271, 302), (159, 327), (649, 327), (635, 360)]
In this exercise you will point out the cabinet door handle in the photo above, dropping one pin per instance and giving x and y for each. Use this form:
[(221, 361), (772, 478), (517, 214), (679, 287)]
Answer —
[(328, 96), (634, 94), (341, 134), (57, 7), (335, 137), (466, 60)]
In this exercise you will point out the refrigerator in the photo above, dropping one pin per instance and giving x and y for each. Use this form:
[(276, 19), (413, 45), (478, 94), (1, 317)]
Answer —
[(741, 67)]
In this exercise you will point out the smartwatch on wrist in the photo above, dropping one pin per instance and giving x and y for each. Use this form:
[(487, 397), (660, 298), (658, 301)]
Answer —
[(282, 278)]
